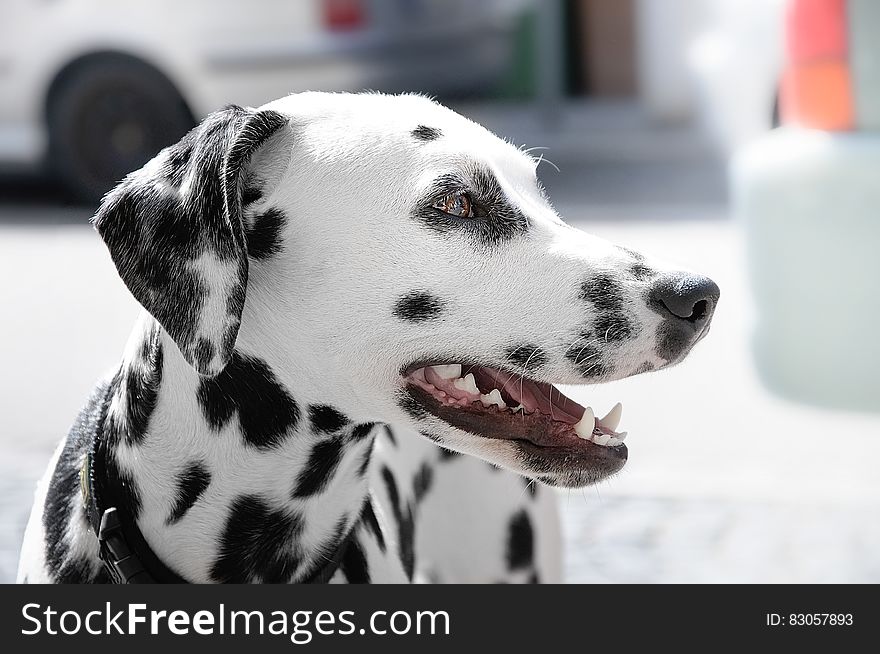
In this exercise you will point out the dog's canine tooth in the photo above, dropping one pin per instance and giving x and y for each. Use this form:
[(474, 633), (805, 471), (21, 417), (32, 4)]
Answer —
[(612, 419), (584, 427), (452, 371)]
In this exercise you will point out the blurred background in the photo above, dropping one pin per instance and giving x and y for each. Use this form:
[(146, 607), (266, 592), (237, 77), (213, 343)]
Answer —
[(736, 137)]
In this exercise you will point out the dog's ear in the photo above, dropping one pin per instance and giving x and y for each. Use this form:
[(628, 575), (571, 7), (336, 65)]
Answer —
[(174, 230)]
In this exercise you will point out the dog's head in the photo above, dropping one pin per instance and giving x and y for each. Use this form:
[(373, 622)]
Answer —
[(401, 264)]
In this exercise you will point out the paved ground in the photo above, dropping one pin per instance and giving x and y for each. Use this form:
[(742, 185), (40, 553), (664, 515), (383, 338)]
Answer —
[(725, 482)]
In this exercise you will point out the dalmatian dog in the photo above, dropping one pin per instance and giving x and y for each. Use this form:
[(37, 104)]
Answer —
[(355, 311)]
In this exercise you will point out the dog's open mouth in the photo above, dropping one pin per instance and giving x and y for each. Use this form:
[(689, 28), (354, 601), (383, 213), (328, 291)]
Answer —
[(497, 404)]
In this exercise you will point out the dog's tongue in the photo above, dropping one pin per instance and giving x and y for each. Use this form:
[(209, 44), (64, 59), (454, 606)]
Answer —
[(534, 396)]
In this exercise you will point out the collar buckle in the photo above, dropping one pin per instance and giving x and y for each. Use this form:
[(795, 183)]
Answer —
[(123, 566)]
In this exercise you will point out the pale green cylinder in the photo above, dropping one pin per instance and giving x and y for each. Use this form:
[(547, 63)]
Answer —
[(810, 205)]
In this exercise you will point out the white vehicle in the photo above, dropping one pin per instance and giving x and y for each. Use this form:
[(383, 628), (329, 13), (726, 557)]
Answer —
[(96, 87)]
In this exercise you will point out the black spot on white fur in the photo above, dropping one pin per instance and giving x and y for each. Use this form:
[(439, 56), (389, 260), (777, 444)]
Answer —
[(264, 234), (641, 272), (587, 357), (418, 306), (258, 544), (366, 459), (610, 325), (425, 133), (422, 482), (324, 419), (403, 516), (520, 542), (142, 382), (528, 357), (362, 431), (603, 292), (368, 516), (613, 327), (636, 256), (191, 483), (354, 564), (606, 294), (319, 468), (248, 388)]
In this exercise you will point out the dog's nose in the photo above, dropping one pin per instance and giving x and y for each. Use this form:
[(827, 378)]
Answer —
[(686, 298)]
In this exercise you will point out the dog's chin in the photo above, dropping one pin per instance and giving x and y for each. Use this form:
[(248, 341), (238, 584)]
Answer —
[(549, 436)]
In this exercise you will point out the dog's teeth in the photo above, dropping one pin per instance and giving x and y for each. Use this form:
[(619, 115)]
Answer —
[(602, 439), (621, 436), (584, 428), (610, 441), (493, 397), (612, 420), (419, 374), (467, 384), (452, 371), (518, 407)]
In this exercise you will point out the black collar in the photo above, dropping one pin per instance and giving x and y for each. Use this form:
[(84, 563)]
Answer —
[(124, 552)]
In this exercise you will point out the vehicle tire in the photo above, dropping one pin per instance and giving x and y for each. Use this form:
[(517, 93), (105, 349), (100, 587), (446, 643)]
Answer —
[(106, 118)]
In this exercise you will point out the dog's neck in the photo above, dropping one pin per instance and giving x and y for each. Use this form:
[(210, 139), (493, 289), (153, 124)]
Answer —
[(242, 477)]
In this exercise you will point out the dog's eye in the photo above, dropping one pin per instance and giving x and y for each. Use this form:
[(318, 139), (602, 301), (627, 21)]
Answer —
[(456, 204)]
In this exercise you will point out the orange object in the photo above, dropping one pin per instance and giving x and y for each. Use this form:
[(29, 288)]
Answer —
[(818, 95)]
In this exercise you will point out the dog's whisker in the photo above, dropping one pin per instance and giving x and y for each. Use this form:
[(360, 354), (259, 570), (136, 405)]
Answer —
[(530, 482), (592, 356), (578, 341), (543, 159)]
